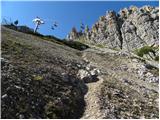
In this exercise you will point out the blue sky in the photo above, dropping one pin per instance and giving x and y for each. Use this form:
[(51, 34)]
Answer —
[(67, 14)]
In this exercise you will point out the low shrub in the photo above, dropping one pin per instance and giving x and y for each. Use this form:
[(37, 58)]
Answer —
[(76, 45), (157, 58), (145, 50)]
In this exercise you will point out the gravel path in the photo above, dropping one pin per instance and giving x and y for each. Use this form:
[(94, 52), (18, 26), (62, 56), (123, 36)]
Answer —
[(92, 109)]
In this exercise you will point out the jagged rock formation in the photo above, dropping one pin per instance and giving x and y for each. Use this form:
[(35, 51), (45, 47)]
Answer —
[(141, 27), (128, 30), (74, 34), (106, 31)]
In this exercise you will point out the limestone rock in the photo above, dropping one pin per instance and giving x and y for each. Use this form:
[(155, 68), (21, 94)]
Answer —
[(89, 74), (130, 29)]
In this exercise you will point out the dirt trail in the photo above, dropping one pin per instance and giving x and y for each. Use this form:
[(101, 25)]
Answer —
[(92, 109)]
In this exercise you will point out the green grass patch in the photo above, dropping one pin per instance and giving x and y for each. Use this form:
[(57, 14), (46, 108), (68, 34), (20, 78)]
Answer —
[(100, 45), (116, 49), (145, 50), (37, 77), (82, 39), (76, 45)]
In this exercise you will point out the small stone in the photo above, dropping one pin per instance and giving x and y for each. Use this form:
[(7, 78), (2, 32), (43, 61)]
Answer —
[(4, 96), (21, 116), (65, 77)]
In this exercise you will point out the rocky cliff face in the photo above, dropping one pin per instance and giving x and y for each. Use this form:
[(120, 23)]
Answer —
[(141, 27), (128, 30)]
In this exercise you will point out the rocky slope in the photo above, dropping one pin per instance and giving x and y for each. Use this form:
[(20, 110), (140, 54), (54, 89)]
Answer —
[(124, 89), (129, 30), (44, 78), (39, 78)]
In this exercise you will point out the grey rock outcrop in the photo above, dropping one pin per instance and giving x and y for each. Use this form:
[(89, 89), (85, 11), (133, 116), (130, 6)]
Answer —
[(106, 31), (130, 29), (89, 74), (141, 27), (74, 34)]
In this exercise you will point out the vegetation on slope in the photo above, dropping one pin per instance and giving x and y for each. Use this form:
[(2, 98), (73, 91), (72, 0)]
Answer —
[(148, 50)]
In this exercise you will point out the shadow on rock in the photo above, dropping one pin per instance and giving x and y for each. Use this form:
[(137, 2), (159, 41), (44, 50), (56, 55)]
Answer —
[(92, 78)]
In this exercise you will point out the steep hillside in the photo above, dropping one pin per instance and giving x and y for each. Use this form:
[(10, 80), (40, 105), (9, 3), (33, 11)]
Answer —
[(46, 78), (39, 78)]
